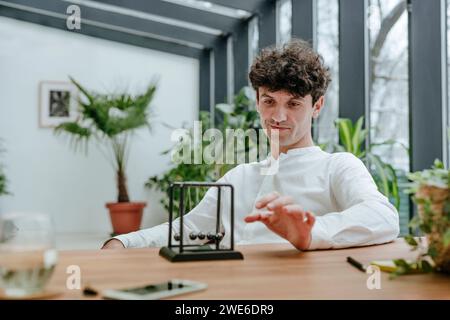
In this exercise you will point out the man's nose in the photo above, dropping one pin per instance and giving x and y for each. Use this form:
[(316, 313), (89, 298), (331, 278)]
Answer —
[(279, 115)]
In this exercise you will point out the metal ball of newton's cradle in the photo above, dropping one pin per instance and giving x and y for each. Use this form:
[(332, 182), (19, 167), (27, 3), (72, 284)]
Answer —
[(214, 236), (201, 235), (193, 236)]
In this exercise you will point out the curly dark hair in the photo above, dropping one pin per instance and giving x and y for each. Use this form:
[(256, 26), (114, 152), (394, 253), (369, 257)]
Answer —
[(295, 67)]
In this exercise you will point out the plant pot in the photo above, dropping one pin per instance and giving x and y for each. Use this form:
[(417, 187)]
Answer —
[(125, 216), (436, 214)]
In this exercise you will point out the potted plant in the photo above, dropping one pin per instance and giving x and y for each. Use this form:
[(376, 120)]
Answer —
[(109, 120), (241, 114), (431, 192)]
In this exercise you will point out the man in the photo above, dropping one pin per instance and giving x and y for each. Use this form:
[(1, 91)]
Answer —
[(315, 200)]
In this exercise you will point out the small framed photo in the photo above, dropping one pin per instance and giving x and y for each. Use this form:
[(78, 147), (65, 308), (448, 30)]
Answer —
[(58, 103)]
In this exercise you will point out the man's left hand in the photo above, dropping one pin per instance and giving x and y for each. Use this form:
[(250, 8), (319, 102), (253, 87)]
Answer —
[(285, 218)]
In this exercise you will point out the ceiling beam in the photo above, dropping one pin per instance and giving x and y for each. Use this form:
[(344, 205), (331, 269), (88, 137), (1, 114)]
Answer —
[(247, 5), (178, 12), (103, 33), (91, 15)]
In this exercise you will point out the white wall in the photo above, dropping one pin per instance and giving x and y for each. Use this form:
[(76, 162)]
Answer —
[(45, 174)]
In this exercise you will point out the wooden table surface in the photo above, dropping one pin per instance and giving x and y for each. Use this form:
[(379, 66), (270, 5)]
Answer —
[(271, 271)]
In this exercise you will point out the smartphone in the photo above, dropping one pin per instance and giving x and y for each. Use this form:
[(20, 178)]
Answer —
[(155, 291)]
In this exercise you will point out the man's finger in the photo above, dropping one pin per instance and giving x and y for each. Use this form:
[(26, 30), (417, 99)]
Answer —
[(261, 203), (258, 216), (252, 218), (280, 202), (311, 218), (293, 208), (297, 211)]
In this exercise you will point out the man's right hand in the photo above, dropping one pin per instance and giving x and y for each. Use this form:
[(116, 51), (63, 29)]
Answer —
[(113, 244)]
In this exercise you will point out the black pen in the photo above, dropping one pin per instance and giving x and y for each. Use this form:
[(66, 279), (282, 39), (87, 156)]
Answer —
[(356, 264)]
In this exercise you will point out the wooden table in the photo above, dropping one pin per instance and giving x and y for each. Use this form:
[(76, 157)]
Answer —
[(274, 271)]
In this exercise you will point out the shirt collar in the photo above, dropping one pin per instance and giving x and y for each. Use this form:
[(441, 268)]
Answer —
[(300, 151)]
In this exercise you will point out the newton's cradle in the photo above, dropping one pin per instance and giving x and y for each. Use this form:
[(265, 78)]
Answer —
[(177, 250)]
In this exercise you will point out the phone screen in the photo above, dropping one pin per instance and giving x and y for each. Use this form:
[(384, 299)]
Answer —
[(153, 288)]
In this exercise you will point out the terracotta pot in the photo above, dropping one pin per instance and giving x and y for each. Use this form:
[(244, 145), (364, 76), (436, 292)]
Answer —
[(125, 216)]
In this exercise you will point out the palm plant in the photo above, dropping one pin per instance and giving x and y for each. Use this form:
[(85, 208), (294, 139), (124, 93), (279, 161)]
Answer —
[(109, 120), (352, 138)]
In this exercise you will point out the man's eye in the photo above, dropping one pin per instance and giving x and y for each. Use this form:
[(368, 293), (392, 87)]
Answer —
[(268, 101), (294, 105)]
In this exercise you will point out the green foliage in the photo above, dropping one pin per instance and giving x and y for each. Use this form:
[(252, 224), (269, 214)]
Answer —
[(404, 267), (429, 222), (109, 120), (3, 185), (353, 139), (437, 176), (3, 180), (241, 114)]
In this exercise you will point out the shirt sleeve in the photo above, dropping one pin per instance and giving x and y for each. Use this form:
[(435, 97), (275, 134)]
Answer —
[(202, 217), (367, 217)]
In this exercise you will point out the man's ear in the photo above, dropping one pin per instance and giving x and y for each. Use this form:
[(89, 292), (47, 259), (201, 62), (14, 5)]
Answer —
[(318, 106)]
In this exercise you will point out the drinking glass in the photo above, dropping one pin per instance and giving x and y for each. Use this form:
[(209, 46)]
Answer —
[(27, 253)]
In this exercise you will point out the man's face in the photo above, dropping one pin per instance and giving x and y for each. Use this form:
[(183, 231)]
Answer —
[(290, 115)]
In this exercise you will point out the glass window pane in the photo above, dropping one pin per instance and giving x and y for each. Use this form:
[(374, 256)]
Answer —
[(389, 89), (253, 39), (284, 21), (328, 46)]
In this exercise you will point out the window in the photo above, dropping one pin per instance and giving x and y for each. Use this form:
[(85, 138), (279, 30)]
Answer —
[(253, 39), (284, 21), (328, 46), (388, 115)]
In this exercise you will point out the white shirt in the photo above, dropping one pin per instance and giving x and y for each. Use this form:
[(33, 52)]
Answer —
[(337, 188)]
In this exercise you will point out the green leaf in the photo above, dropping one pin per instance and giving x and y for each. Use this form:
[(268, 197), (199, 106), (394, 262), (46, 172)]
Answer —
[(380, 171), (411, 241), (394, 190), (359, 135), (432, 252), (447, 208), (425, 266), (82, 89), (447, 238), (345, 128), (415, 222), (402, 263)]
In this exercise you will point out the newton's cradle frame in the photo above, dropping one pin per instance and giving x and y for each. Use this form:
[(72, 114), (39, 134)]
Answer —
[(194, 252)]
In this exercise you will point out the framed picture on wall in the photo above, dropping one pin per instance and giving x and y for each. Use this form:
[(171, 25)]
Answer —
[(58, 103)]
